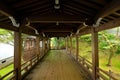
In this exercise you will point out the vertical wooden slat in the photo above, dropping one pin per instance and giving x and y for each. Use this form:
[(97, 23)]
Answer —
[(17, 55), (77, 47), (95, 58)]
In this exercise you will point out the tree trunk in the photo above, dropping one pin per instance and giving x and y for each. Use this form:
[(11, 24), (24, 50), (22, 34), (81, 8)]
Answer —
[(110, 59), (111, 49)]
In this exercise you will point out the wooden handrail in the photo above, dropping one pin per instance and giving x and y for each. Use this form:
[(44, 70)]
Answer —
[(85, 59), (7, 74), (100, 71), (106, 73), (31, 61)]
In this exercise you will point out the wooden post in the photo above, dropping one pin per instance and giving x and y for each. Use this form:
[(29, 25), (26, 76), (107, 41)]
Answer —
[(66, 44), (42, 47), (77, 47), (95, 57), (70, 45), (37, 47), (49, 44), (17, 55)]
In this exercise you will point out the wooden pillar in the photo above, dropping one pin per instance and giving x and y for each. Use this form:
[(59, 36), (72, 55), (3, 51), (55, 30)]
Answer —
[(67, 43), (37, 47), (43, 46), (17, 55), (77, 47), (49, 43), (95, 57), (70, 45)]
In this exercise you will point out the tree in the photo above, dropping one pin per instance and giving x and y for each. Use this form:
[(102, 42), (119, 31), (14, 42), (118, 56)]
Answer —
[(6, 36), (109, 42)]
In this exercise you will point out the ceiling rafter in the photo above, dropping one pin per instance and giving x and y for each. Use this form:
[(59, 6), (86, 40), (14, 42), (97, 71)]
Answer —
[(108, 9), (37, 9), (6, 10), (88, 4), (79, 10), (40, 12), (30, 6), (24, 3)]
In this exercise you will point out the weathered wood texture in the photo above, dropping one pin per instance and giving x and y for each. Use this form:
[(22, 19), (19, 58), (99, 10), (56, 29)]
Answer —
[(56, 66), (70, 45), (77, 47), (17, 55), (95, 58)]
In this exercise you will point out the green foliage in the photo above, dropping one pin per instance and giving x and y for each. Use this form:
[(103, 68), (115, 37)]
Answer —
[(6, 36), (118, 50), (86, 38), (105, 45), (58, 42)]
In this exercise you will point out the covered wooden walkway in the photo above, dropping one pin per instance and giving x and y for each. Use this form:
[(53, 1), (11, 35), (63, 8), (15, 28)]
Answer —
[(45, 19), (57, 65)]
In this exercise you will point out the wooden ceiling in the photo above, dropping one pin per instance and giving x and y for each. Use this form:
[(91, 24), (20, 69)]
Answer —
[(43, 17)]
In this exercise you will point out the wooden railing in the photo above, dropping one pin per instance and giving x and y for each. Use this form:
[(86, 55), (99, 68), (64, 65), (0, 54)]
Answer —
[(9, 76), (86, 64), (103, 75), (25, 67)]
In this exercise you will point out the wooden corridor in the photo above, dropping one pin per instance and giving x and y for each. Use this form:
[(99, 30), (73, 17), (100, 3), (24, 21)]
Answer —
[(56, 65)]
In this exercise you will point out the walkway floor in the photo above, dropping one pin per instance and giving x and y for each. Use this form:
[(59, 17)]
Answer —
[(56, 65)]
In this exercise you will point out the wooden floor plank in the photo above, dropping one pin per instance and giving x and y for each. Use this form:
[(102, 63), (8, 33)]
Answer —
[(56, 65)]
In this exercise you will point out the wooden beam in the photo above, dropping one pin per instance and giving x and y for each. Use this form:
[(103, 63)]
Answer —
[(57, 34), (80, 28), (118, 14), (54, 19), (17, 55), (6, 10), (95, 57), (109, 25), (8, 27), (58, 30), (85, 31), (113, 6)]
